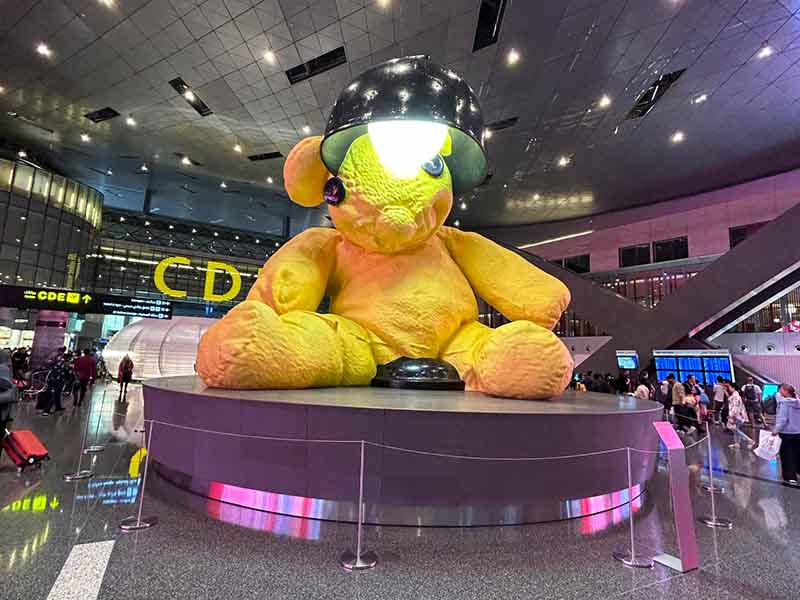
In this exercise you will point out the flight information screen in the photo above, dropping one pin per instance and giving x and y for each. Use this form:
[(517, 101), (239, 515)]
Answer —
[(705, 365)]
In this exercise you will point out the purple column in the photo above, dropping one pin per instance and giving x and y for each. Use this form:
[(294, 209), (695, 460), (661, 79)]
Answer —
[(49, 336)]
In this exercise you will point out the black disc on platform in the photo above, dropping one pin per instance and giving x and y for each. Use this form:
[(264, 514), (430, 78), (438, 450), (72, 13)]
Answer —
[(418, 374)]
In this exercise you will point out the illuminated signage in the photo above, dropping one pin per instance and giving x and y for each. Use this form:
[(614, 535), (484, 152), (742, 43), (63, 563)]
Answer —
[(14, 296), (212, 268)]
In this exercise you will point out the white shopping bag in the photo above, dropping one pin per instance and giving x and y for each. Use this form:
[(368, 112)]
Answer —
[(768, 445)]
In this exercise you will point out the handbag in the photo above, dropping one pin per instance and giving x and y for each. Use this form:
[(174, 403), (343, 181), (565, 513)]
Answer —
[(768, 445)]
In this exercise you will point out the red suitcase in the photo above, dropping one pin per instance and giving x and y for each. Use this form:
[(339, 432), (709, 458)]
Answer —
[(24, 448)]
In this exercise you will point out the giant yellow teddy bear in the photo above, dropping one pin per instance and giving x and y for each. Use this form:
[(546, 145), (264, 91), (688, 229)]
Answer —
[(400, 284)]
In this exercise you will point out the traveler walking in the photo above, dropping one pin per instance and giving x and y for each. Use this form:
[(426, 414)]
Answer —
[(124, 375), (787, 426), (751, 394), (737, 416), (86, 372)]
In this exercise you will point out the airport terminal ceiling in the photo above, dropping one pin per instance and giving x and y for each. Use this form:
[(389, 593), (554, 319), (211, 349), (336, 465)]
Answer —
[(565, 89)]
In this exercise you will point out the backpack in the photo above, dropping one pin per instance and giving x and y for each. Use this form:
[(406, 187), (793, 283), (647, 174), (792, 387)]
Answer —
[(749, 392)]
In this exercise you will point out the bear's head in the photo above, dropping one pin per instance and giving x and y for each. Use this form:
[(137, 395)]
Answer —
[(371, 206)]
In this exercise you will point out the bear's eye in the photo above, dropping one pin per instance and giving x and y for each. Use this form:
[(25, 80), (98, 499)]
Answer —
[(434, 166), (334, 191)]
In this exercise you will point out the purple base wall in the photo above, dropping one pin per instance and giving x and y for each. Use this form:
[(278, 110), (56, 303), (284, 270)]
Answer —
[(404, 487)]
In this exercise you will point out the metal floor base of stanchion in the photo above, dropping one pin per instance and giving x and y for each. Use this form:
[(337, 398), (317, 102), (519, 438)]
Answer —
[(85, 474), (132, 524), (367, 560), (639, 562), (94, 449), (716, 522)]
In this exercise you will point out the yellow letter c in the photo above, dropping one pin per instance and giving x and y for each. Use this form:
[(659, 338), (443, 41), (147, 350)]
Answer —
[(161, 269)]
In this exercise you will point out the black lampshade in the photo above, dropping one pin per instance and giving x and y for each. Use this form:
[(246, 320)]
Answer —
[(411, 88)]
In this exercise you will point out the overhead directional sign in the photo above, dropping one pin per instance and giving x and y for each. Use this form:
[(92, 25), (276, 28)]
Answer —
[(16, 296)]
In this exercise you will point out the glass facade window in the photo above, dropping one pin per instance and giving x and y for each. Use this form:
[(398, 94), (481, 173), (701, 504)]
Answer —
[(23, 178), (6, 174), (41, 244), (41, 189), (630, 256), (737, 235), (674, 249), (578, 264)]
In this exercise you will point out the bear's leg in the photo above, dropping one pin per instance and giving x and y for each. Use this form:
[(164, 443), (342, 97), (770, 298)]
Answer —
[(253, 347), (517, 360)]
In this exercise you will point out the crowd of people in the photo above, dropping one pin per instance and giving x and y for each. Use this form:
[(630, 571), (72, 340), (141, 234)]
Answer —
[(693, 407), (66, 374)]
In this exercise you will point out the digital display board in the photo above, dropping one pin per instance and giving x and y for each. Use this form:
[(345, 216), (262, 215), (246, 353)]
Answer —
[(705, 365), (17, 296), (628, 359)]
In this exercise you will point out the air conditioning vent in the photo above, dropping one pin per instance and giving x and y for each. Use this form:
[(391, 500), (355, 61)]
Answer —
[(647, 99), (180, 86), (502, 124), (265, 156), (490, 17), (102, 114), (317, 65)]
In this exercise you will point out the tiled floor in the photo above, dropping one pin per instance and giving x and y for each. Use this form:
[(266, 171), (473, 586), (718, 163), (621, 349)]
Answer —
[(203, 549)]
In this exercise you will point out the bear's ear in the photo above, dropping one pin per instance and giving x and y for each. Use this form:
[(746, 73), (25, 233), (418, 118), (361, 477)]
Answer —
[(304, 173)]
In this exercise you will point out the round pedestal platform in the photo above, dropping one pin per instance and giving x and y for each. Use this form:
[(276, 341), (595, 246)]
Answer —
[(430, 457)]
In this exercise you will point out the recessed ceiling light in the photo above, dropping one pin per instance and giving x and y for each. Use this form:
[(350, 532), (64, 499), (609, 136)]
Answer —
[(677, 137), (563, 161), (223, 185), (143, 168), (699, 99), (130, 121), (194, 230), (22, 154), (306, 129), (616, 130), (172, 227), (258, 241), (122, 219), (237, 237), (43, 49), (487, 133), (505, 185), (765, 52), (269, 56), (147, 223), (277, 244), (536, 196), (604, 101), (456, 223), (216, 234), (186, 160), (269, 179), (85, 138), (109, 172), (189, 95), (513, 57), (237, 148), (463, 205)]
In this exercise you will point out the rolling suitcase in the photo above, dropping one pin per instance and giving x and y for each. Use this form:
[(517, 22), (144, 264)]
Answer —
[(24, 448)]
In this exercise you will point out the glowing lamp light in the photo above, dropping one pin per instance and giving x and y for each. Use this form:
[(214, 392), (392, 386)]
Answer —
[(403, 146)]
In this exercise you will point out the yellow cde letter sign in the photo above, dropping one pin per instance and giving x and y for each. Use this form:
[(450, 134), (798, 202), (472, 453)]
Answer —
[(212, 268)]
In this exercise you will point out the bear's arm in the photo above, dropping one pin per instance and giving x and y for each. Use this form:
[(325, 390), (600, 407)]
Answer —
[(295, 277), (505, 280)]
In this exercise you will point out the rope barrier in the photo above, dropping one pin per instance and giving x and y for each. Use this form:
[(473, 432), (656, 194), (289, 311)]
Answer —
[(398, 448)]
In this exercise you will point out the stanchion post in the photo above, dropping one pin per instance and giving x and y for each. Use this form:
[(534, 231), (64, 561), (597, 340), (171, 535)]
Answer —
[(630, 559), (713, 520), (359, 561), (710, 487), (96, 448), (81, 473), (138, 522)]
